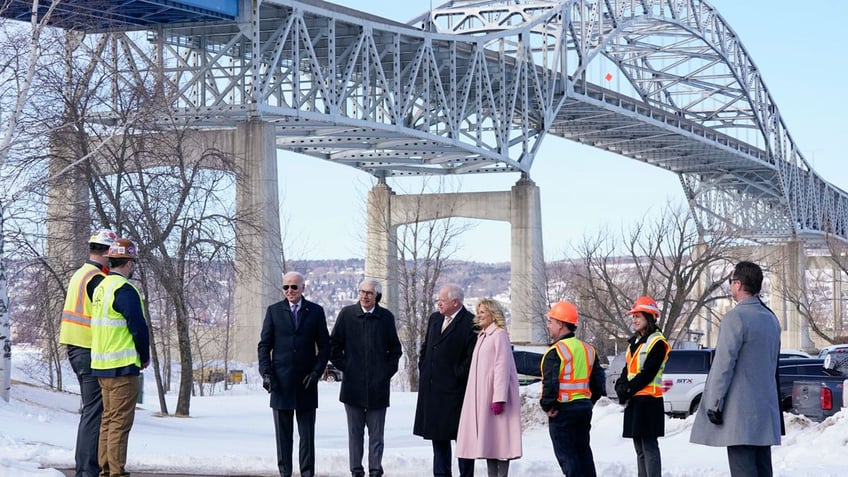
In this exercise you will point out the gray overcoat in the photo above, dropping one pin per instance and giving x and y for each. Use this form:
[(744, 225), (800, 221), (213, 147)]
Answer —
[(742, 381)]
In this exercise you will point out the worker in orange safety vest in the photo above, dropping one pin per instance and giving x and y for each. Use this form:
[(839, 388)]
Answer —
[(572, 381)]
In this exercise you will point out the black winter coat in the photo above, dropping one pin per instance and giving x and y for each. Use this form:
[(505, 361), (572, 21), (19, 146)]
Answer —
[(443, 366), (365, 346), (644, 416), (288, 355)]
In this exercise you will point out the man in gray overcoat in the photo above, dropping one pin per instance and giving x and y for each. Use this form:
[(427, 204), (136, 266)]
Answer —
[(739, 408)]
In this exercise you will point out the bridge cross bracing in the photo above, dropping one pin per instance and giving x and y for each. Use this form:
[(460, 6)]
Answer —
[(473, 87)]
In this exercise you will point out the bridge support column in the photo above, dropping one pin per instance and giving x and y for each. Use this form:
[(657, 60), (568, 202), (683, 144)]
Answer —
[(258, 254), (836, 273), (527, 286), (791, 277), (520, 206), (381, 256), (68, 214)]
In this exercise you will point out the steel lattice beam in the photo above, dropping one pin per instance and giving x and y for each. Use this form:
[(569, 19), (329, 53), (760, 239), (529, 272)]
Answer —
[(474, 86)]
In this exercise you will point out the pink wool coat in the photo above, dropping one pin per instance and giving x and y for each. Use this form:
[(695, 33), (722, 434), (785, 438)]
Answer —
[(493, 378)]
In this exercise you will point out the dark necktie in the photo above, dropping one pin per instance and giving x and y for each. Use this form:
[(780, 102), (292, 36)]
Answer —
[(294, 313)]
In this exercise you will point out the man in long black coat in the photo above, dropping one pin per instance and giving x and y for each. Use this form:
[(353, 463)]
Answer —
[(294, 347), (443, 366), (366, 347)]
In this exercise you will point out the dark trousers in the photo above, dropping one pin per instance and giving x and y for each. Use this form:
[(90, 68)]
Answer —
[(358, 419), (749, 461), (442, 461), (648, 456), (284, 429), (569, 431), (88, 432), (497, 468)]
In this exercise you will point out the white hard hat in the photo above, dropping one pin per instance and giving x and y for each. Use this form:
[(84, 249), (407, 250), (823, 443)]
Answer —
[(103, 237)]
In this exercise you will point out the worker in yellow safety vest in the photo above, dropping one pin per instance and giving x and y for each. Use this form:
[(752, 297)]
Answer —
[(120, 349), (572, 381), (75, 335), (640, 386)]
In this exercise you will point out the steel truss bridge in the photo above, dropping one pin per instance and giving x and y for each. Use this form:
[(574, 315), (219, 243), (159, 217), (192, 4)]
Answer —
[(475, 86)]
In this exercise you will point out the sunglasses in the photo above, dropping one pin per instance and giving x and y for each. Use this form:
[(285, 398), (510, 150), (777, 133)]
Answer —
[(731, 280), (293, 287)]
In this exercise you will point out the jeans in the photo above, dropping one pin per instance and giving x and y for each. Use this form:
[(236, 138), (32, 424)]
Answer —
[(119, 397), (357, 419), (569, 431), (284, 430), (648, 456), (88, 432), (749, 461)]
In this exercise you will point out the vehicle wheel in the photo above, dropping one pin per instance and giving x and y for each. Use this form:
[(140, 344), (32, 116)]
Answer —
[(694, 406), (786, 404)]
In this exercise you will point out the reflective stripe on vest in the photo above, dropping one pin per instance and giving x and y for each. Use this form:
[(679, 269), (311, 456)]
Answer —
[(576, 359), (75, 328), (637, 361), (112, 345)]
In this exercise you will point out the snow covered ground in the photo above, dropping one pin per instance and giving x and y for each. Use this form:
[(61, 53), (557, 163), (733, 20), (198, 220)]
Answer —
[(231, 433)]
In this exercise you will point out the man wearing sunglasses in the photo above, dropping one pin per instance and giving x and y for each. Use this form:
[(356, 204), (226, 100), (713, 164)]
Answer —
[(294, 347)]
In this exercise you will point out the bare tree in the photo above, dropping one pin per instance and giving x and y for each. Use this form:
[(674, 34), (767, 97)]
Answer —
[(666, 259), (815, 300), (176, 205), (425, 240), (22, 52)]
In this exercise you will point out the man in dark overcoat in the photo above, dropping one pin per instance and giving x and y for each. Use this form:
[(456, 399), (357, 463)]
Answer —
[(443, 365), (365, 346), (294, 347)]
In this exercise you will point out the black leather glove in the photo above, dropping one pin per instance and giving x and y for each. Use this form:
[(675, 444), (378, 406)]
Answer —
[(622, 390), (310, 380), (715, 417), (266, 382)]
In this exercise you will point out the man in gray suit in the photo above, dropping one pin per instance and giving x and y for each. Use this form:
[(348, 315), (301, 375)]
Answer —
[(739, 408)]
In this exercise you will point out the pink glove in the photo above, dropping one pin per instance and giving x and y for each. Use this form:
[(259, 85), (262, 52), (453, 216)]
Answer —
[(497, 407)]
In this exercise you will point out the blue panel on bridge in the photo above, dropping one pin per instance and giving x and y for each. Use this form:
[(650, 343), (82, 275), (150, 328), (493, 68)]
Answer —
[(91, 15)]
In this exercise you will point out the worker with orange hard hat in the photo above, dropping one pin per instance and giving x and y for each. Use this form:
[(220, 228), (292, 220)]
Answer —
[(640, 386), (572, 381)]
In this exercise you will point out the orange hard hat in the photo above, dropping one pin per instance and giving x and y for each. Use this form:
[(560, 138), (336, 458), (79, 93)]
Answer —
[(122, 248), (645, 304), (563, 311)]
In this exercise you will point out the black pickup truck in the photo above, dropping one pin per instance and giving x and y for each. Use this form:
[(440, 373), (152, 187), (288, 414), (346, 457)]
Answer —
[(821, 396)]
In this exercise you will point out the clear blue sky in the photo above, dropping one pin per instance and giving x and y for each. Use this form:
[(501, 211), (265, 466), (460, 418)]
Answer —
[(798, 47)]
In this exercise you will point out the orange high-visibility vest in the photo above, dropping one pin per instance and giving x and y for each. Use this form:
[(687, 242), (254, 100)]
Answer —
[(575, 366), (75, 328), (636, 361)]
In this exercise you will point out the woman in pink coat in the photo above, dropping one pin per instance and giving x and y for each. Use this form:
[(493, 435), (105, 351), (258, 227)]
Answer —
[(490, 423)]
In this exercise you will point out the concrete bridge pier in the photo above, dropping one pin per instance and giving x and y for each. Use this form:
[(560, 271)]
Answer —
[(837, 300), (520, 207), (789, 268), (259, 249)]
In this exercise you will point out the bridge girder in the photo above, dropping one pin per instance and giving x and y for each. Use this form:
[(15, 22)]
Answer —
[(474, 87)]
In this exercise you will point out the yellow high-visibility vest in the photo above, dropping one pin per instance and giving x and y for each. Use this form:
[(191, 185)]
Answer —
[(576, 359), (636, 361), (112, 345), (75, 328)]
